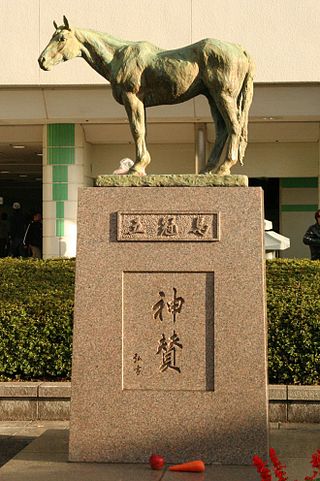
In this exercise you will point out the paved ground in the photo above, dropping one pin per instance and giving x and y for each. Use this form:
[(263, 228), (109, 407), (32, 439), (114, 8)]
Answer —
[(16, 435), (37, 451)]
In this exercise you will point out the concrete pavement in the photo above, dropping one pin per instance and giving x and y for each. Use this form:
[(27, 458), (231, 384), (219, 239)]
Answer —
[(37, 451)]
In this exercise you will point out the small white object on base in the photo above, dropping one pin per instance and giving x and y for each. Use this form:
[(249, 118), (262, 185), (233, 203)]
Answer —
[(125, 166)]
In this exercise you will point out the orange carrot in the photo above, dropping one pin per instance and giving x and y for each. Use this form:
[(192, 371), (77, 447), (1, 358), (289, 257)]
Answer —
[(192, 466)]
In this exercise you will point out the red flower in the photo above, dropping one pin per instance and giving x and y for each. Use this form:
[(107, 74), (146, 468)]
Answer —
[(262, 469), (277, 466), (315, 463), (316, 459)]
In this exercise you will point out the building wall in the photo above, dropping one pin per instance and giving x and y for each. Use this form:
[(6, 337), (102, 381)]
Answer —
[(280, 159), (166, 158), (282, 36), (299, 159), (298, 203)]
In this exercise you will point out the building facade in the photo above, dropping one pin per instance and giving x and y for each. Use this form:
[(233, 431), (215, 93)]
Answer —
[(62, 128)]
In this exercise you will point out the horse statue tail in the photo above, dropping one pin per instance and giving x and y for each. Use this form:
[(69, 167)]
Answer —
[(244, 102)]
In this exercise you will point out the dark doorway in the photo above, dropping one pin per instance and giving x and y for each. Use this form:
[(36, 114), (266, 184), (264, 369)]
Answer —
[(28, 194), (271, 188)]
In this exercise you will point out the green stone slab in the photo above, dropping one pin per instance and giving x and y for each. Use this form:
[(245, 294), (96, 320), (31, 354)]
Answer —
[(182, 180)]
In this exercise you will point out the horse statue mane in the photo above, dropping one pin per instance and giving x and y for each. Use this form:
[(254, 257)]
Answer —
[(143, 75)]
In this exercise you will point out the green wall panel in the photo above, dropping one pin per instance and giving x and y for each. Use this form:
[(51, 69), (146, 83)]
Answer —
[(61, 135), (59, 191), (59, 227), (299, 182), (60, 210), (60, 173), (61, 155), (299, 208)]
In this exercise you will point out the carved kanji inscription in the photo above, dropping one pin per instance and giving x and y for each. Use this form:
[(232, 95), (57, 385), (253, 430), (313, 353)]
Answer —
[(167, 323), (168, 227)]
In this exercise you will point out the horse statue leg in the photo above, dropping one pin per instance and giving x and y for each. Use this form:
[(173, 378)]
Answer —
[(233, 108), (227, 105), (136, 115), (245, 101), (220, 139)]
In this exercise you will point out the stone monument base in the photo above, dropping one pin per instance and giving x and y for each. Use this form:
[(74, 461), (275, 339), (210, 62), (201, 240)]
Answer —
[(169, 326)]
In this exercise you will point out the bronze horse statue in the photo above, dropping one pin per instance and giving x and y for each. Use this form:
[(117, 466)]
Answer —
[(142, 75)]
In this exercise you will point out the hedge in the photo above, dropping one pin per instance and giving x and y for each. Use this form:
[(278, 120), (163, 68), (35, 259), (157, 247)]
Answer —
[(36, 312), (293, 303)]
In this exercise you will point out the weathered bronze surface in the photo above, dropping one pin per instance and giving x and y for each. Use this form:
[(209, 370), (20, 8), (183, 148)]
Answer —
[(143, 75)]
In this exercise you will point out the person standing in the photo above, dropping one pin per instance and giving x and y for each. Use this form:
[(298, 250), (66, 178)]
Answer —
[(17, 229), (33, 236), (312, 238)]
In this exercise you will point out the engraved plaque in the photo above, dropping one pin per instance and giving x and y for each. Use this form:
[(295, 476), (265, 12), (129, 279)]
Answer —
[(168, 330), (168, 227)]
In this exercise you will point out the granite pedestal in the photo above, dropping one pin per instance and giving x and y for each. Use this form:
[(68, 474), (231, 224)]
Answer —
[(169, 325)]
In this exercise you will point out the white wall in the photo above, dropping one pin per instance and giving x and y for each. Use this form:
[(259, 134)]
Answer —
[(166, 158), (282, 36), (277, 159)]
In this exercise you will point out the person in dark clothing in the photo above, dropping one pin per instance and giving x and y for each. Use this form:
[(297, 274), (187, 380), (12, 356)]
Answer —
[(312, 238), (17, 229), (33, 237)]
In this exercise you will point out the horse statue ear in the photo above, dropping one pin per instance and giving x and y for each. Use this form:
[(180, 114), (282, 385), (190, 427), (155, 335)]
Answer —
[(55, 24), (66, 23)]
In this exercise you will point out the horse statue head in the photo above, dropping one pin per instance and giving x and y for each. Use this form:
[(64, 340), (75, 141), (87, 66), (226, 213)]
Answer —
[(63, 46)]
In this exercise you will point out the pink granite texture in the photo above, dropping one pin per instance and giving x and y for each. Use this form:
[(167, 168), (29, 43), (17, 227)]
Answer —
[(209, 399)]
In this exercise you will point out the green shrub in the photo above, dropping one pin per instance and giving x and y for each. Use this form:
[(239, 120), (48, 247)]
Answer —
[(293, 304), (36, 313)]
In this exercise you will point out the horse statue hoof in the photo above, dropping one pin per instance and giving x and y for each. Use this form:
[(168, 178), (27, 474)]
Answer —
[(207, 171), (137, 173)]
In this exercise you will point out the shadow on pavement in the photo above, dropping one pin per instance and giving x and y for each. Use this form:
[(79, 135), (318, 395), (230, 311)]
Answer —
[(11, 445)]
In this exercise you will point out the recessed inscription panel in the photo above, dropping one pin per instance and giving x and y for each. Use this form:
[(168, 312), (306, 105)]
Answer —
[(162, 227), (168, 330)]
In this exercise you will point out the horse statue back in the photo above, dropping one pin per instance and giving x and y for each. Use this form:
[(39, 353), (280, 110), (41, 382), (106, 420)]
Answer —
[(142, 75)]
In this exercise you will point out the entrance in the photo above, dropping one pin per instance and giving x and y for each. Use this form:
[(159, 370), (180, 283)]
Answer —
[(28, 194), (20, 177), (21, 168), (271, 189)]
